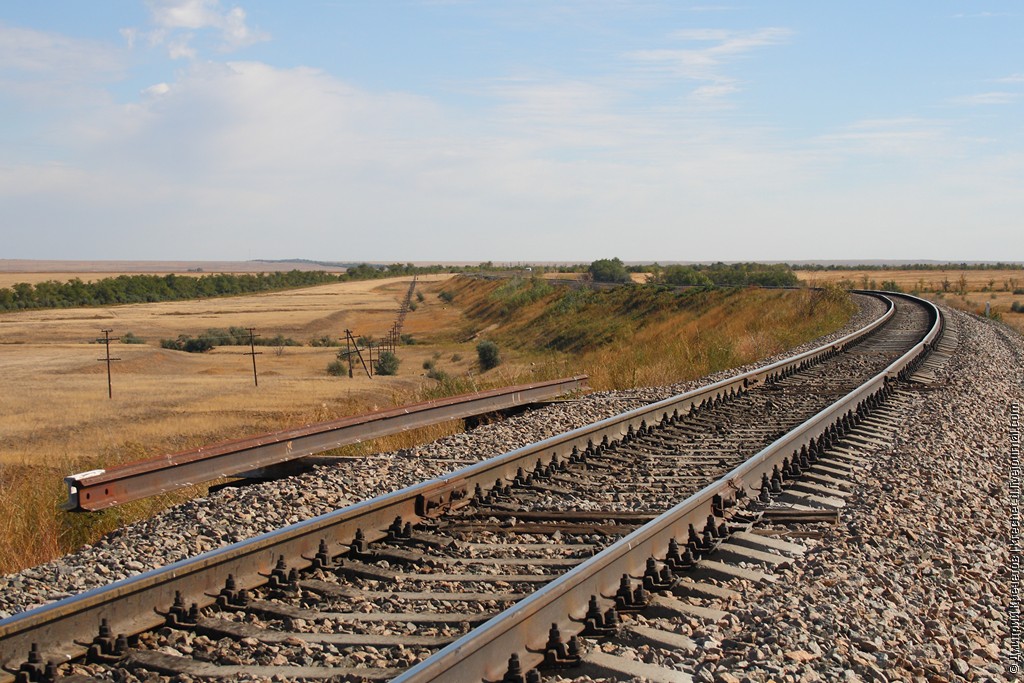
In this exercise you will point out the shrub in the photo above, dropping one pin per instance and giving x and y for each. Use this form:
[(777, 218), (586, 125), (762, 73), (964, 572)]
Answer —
[(684, 276), (407, 339), (456, 357), (1016, 307), (420, 297), (446, 297), (188, 344), (337, 368), (413, 306), (608, 270), (891, 286), (1018, 291), (277, 340), (439, 375), (197, 345), (387, 364), (130, 338), (487, 353), (428, 364), (325, 340)]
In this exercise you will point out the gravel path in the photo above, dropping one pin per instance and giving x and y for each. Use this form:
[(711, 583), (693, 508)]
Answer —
[(234, 514)]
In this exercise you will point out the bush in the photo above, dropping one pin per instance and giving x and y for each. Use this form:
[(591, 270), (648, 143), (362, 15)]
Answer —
[(456, 357), (325, 340), (685, 276), (130, 338), (608, 270), (197, 345), (387, 364), (337, 368), (487, 353), (407, 339), (446, 297), (413, 305), (1016, 307), (439, 375), (420, 297), (188, 344), (891, 286), (428, 364)]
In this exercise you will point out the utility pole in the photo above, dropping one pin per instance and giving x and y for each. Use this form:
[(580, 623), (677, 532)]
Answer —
[(253, 353), (348, 353), (106, 340), (355, 345)]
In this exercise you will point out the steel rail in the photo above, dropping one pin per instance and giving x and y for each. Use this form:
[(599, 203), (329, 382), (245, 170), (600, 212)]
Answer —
[(99, 489), (63, 629), (482, 654)]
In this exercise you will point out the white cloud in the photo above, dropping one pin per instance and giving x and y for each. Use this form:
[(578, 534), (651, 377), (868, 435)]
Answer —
[(178, 21), (52, 55), (190, 14), (50, 72), (709, 62), (130, 35), (986, 98), (157, 89), (180, 48), (982, 15), (1013, 78)]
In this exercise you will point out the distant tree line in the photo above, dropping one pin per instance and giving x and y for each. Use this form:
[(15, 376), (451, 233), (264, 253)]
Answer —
[(699, 275), (134, 289), (911, 266)]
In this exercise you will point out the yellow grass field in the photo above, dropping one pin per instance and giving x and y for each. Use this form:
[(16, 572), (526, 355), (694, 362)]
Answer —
[(55, 403), (967, 290)]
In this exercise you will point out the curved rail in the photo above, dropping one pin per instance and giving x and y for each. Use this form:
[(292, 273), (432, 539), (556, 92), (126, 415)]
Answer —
[(481, 654), (63, 629)]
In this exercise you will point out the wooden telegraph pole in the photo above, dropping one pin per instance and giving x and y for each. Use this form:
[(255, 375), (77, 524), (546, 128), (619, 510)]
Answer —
[(253, 353), (106, 341)]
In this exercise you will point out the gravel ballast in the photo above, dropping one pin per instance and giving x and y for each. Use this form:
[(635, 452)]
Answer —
[(914, 583)]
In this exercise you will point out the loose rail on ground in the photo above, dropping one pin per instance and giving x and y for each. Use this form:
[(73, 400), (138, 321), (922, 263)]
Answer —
[(99, 489)]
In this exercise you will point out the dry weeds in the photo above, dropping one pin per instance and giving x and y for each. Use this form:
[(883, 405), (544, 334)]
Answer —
[(968, 289)]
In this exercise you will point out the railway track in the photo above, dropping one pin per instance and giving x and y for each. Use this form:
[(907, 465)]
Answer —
[(510, 563)]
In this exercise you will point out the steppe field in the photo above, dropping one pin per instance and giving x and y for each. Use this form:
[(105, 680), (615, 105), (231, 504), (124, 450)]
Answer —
[(55, 405), (968, 289)]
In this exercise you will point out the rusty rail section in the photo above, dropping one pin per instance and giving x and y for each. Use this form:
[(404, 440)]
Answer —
[(99, 489), (63, 629), (523, 629)]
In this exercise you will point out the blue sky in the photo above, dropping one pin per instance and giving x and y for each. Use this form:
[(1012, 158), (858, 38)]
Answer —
[(515, 130)]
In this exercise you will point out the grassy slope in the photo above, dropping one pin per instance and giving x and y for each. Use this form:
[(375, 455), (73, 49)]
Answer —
[(641, 336)]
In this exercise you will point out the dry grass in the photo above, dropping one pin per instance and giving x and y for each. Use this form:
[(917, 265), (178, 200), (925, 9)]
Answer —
[(967, 289), (919, 280), (732, 331), (643, 337), (56, 404), (57, 418)]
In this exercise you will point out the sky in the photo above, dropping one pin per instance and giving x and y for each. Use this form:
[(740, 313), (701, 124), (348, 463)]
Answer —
[(512, 130)]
